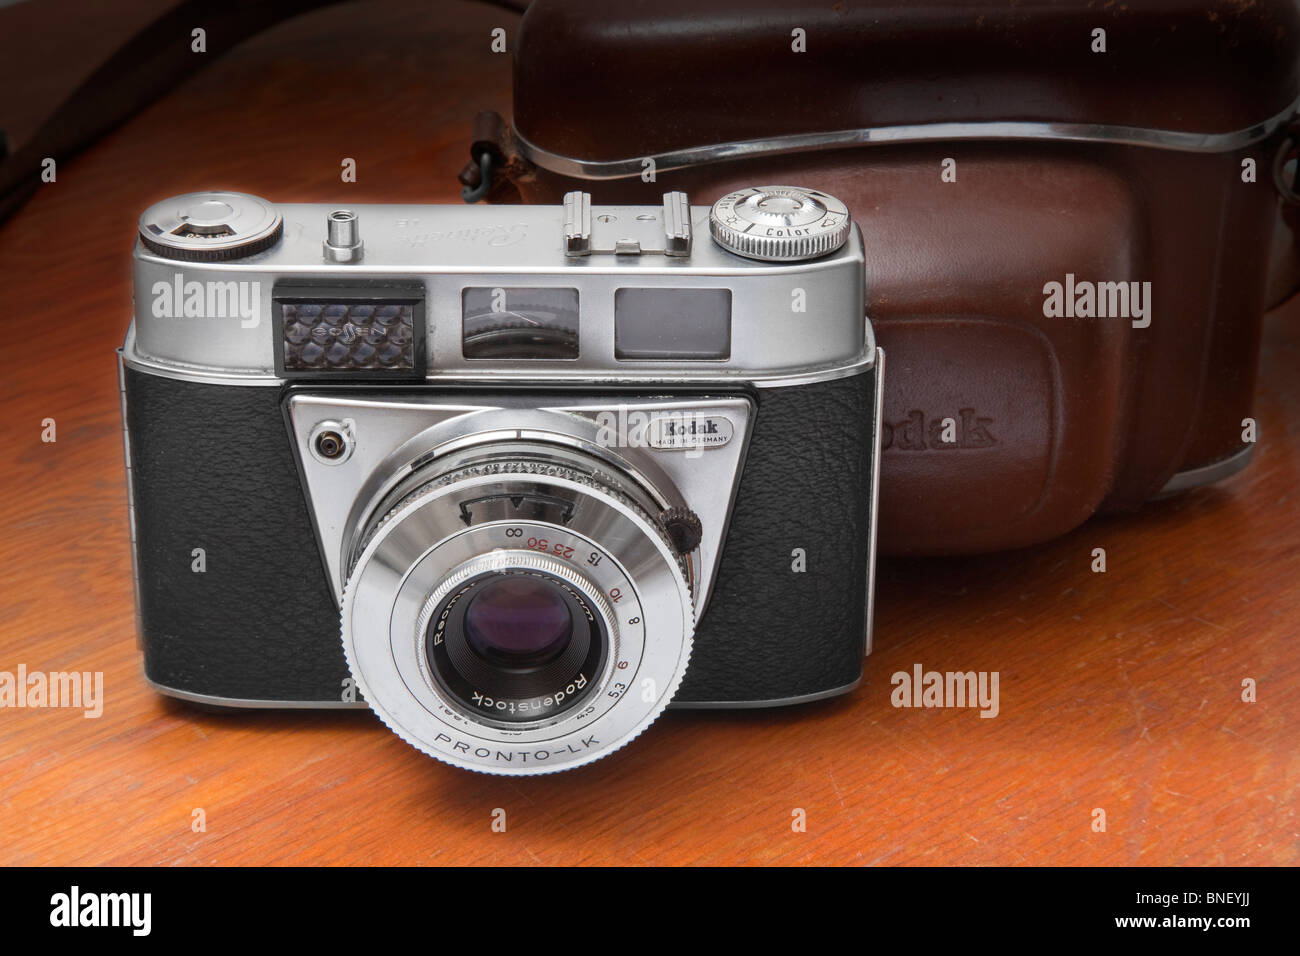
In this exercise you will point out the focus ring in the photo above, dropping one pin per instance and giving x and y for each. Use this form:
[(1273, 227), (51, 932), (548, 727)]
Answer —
[(525, 468)]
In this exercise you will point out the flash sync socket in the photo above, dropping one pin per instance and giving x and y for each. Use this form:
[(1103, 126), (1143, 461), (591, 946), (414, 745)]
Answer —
[(331, 442)]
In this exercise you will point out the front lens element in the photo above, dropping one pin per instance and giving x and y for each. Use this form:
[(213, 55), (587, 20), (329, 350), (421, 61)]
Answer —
[(517, 645), (518, 621)]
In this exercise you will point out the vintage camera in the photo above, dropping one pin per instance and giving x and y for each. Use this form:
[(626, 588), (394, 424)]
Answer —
[(516, 478)]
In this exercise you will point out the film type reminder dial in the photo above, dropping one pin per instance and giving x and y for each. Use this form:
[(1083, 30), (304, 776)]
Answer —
[(780, 223)]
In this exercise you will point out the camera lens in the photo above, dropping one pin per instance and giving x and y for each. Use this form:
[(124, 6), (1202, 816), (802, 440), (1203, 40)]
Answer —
[(517, 606), (516, 645), (518, 621)]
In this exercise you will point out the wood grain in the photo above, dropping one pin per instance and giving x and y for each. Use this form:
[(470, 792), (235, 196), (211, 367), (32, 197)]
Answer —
[(1119, 691)]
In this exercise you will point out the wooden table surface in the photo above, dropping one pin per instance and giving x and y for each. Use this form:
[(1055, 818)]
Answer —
[(1119, 691)]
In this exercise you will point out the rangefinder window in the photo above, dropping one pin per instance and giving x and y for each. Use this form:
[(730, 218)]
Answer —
[(519, 323), (355, 332)]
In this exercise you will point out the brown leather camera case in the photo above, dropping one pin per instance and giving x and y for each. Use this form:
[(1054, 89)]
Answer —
[(1072, 163)]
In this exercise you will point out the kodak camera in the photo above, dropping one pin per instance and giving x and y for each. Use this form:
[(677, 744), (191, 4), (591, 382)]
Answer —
[(518, 479)]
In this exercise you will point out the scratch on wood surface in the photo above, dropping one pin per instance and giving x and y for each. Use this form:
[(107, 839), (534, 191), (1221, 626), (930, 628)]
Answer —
[(1194, 617)]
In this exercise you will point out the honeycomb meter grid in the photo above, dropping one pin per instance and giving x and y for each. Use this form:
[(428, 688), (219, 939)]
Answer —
[(342, 336)]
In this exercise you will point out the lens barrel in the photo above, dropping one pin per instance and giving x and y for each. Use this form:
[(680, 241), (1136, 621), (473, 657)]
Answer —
[(516, 608)]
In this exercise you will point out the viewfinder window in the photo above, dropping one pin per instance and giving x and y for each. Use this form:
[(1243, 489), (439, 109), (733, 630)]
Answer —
[(672, 324)]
